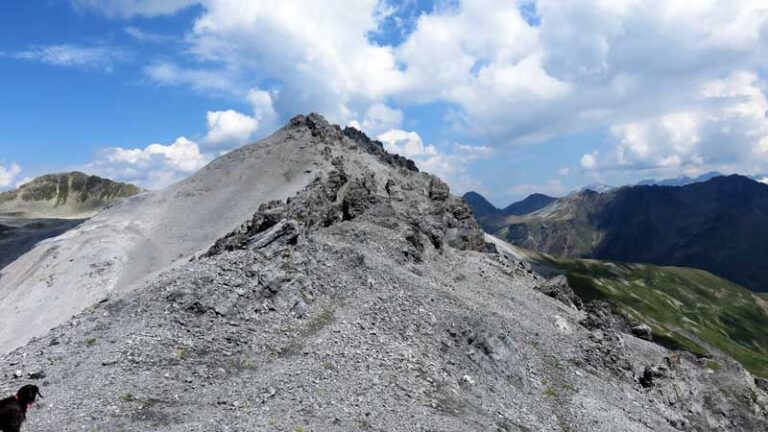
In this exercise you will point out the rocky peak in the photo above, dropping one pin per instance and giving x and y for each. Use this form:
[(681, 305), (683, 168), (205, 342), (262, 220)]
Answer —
[(326, 132), (418, 204)]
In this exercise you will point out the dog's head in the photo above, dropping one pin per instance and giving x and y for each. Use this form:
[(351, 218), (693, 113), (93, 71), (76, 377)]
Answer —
[(27, 394)]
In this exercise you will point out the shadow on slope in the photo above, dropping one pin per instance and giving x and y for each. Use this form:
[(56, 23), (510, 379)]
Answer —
[(19, 236)]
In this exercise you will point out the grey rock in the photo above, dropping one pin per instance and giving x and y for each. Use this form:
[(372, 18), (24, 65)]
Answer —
[(559, 289), (36, 375), (642, 331), (762, 384)]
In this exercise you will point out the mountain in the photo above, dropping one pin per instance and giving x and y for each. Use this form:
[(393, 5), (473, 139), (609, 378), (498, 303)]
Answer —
[(680, 180), (530, 204), (66, 195), (51, 205), (480, 206), (597, 187), (718, 225), (355, 293)]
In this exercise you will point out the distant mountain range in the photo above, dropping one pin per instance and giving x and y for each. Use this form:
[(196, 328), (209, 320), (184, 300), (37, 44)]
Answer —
[(64, 195), (483, 208), (680, 180), (50, 205), (718, 225)]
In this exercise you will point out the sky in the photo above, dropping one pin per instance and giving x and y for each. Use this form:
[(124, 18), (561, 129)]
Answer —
[(506, 98)]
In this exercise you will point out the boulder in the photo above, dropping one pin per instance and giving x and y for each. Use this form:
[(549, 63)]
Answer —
[(559, 289), (642, 331)]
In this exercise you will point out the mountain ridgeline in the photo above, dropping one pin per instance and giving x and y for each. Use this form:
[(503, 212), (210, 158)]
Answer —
[(313, 281), (718, 225), (70, 195), (483, 208)]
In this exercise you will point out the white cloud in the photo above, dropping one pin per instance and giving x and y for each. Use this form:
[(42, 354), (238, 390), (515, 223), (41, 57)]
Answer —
[(564, 171), (146, 36), (131, 8), (451, 167), (227, 127), (68, 55), (8, 174), (230, 128), (380, 118), (726, 128), (589, 161), (202, 80), (408, 144), (155, 166), (634, 67), (318, 50)]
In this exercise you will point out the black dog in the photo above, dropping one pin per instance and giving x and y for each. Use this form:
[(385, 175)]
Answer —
[(13, 410)]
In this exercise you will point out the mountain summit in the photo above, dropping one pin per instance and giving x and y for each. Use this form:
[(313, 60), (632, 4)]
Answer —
[(353, 293)]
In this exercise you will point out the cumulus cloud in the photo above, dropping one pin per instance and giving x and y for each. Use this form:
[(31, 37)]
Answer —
[(512, 72), (230, 128), (226, 127), (726, 127), (69, 55), (8, 174), (451, 166), (380, 118), (154, 167)]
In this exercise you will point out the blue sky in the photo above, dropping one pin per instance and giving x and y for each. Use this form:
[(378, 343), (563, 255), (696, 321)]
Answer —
[(505, 97)]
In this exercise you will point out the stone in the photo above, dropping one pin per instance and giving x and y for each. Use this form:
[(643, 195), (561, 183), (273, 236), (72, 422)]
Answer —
[(559, 289), (438, 189), (36, 375), (642, 331), (284, 232)]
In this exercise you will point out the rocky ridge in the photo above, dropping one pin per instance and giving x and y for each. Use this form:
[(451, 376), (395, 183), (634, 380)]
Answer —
[(367, 300)]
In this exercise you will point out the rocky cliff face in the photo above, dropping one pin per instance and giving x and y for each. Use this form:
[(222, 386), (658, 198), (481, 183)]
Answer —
[(70, 195), (367, 299)]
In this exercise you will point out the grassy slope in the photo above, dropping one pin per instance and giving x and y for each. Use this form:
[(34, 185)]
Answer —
[(686, 308)]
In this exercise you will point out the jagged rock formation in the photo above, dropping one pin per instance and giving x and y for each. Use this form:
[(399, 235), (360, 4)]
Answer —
[(66, 195), (363, 300)]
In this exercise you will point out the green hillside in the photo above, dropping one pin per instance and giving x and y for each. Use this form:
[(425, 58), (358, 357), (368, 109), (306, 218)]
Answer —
[(686, 308)]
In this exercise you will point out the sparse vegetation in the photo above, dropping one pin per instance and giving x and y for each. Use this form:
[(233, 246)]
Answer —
[(182, 353), (127, 397), (687, 309)]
